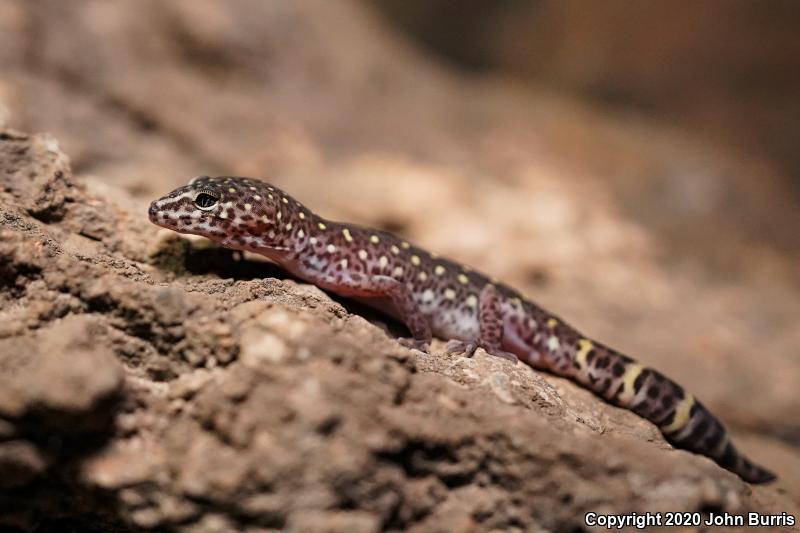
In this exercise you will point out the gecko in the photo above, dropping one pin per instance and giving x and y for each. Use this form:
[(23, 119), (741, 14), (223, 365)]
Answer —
[(434, 296)]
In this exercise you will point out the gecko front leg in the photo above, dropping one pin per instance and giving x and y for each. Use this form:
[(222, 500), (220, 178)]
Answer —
[(378, 286), (412, 316), (491, 325)]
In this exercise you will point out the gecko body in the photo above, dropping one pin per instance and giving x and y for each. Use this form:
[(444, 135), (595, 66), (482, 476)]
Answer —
[(433, 296)]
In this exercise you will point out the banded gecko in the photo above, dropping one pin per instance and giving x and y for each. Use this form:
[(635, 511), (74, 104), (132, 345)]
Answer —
[(434, 296)]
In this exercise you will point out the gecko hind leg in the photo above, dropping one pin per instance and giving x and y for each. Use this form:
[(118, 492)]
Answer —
[(491, 329)]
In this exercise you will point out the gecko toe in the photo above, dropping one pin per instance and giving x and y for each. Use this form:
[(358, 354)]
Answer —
[(467, 349), (415, 344), (456, 347), (502, 354)]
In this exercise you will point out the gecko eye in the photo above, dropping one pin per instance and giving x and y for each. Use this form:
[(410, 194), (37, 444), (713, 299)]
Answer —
[(205, 200)]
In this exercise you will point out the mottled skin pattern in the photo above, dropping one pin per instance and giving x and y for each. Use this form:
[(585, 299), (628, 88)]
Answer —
[(434, 296)]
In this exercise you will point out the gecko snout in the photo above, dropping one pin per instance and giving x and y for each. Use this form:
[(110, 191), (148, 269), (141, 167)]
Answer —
[(152, 212), (159, 215)]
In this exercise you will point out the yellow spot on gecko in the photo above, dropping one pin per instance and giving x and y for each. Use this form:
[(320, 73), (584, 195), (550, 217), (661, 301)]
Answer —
[(462, 279), (383, 261), (427, 295), (301, 215), (552, 322), (321, 226), (343, 262), (331, 248), (223, 215), (449, 294), (312, 240), (422, 276), (374, 239), (398, 271), (285, 200), (231, 189), (438, 270), (472, 300), (257, 198), (682, 412), (289, 226), (395, 250), (415, 260), (347, 236), (301, 233), (584, 347), (628, 379), (404, 245), (252, 188), (248, 207), (270, 196), (279, 215), (516, 301), (362, 254)]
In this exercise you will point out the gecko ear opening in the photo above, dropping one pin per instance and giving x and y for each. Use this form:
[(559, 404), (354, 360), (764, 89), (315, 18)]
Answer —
[(205, 200)]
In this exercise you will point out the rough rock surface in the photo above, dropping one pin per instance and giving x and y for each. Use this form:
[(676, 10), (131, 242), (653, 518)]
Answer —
[(151, 397), (153, 381)]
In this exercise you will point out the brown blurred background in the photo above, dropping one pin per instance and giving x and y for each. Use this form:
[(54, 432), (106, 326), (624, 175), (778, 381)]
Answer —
[(729, 71), (631, 165)]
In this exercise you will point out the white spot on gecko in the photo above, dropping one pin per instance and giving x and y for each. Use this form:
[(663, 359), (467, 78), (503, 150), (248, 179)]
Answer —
[(553, 343)]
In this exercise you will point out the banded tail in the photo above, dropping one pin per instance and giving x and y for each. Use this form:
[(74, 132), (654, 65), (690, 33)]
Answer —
[(684, 421)]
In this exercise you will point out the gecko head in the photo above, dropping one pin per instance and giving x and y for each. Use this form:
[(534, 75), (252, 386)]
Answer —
[(236, 212)]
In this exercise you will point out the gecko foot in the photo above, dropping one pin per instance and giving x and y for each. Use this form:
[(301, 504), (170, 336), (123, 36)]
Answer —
[(414, 344), (468, 349)]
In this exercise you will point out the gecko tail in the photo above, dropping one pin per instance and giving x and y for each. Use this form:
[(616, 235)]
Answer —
[(702, 433), (753, 473), (685, 422)]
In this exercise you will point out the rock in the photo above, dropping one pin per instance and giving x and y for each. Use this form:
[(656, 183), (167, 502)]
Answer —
[(157, 382), (60, 374)]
